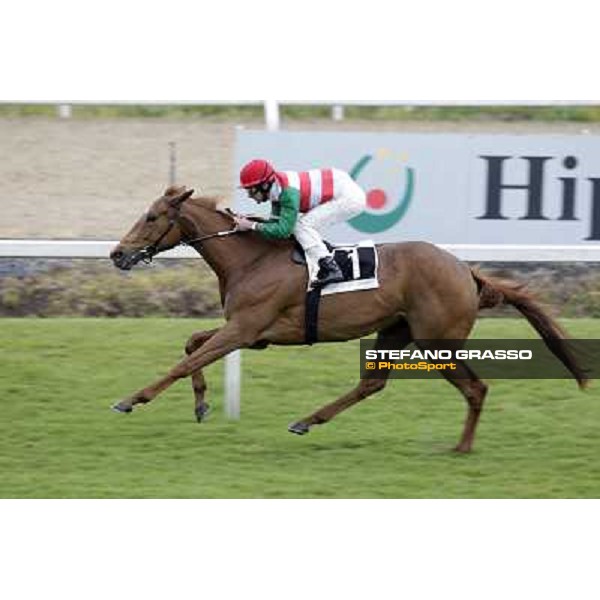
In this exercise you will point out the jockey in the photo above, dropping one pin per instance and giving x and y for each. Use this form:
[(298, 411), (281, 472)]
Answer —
[(303, 203)]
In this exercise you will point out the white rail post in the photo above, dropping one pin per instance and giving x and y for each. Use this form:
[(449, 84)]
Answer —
[(272, 115), (337, 112), (64, 111), (232, 384)]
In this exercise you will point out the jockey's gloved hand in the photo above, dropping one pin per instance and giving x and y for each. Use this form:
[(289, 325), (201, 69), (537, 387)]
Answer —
[(244, 224)]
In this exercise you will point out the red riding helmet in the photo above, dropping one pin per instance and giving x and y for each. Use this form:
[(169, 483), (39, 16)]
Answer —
[(256, 172)]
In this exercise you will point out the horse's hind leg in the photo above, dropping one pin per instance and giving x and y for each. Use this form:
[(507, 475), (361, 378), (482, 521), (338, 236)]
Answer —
[(397, 337), (465, 380), (443, 319), (201, 408), (474, 390)]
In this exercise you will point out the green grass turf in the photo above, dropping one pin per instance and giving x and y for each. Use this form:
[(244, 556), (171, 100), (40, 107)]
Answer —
[(58, 437)]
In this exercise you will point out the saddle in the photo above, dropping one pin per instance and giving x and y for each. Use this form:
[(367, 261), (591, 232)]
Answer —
[(298, 255), (358, 264)]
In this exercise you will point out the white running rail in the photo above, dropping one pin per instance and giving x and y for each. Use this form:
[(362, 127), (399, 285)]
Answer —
[(18, 248)]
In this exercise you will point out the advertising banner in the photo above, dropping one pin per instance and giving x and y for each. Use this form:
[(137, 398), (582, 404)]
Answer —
[(449, 188)]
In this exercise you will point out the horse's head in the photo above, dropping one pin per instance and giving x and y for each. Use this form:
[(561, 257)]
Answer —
[(156, 230)]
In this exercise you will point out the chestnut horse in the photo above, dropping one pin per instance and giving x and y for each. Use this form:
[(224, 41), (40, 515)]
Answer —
[(425, 293)]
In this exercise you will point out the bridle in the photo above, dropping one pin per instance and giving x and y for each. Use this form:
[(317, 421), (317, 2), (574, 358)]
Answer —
[(149, 252)]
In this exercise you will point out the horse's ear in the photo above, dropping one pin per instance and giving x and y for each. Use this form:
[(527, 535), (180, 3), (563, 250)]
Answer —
[(179, 200)]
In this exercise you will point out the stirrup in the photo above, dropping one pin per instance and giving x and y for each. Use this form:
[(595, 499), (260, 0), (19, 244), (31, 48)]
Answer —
[(319, 283)]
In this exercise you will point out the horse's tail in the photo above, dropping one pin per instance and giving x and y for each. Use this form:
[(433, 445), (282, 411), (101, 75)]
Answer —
[(494, 291)]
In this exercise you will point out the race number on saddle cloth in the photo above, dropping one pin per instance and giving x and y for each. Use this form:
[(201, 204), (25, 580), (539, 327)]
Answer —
[(302, 204), (359, 266)]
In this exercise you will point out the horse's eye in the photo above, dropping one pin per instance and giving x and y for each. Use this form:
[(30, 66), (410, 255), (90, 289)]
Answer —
[(151, 217)]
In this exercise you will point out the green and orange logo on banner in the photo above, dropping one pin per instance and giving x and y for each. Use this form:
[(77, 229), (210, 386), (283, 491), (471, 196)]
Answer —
[(374, 220)]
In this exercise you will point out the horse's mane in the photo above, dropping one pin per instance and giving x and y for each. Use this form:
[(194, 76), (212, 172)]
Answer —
[(216, 203)]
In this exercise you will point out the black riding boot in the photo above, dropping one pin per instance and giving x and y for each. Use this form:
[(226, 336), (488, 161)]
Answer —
[(329, 272)]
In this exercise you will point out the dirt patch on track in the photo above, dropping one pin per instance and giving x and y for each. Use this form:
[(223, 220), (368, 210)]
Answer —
[(90, 179)]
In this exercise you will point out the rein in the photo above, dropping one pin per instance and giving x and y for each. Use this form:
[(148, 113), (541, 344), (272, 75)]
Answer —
[(150, 251), (209, 236)]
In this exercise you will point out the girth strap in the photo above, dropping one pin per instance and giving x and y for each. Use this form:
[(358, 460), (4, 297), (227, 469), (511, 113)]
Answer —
[(311, 317)]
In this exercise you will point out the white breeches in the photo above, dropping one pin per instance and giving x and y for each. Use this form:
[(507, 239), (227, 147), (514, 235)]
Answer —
[(350, 202)]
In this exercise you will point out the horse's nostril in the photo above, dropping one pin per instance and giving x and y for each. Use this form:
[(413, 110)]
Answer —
[(116, 254)]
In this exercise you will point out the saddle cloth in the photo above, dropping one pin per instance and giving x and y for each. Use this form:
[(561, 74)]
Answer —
[(358, 264)]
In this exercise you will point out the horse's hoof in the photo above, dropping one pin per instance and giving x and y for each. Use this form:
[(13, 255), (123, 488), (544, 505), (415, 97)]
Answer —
[(202, 413), (298, 428), (460, 449), (121, 409)]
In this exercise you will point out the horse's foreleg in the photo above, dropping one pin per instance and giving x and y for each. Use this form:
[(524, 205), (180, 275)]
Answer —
[(396, 336), (224, 341), (201, 408)]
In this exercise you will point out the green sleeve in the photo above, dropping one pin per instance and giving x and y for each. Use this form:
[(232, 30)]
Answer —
[(283, 216)]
